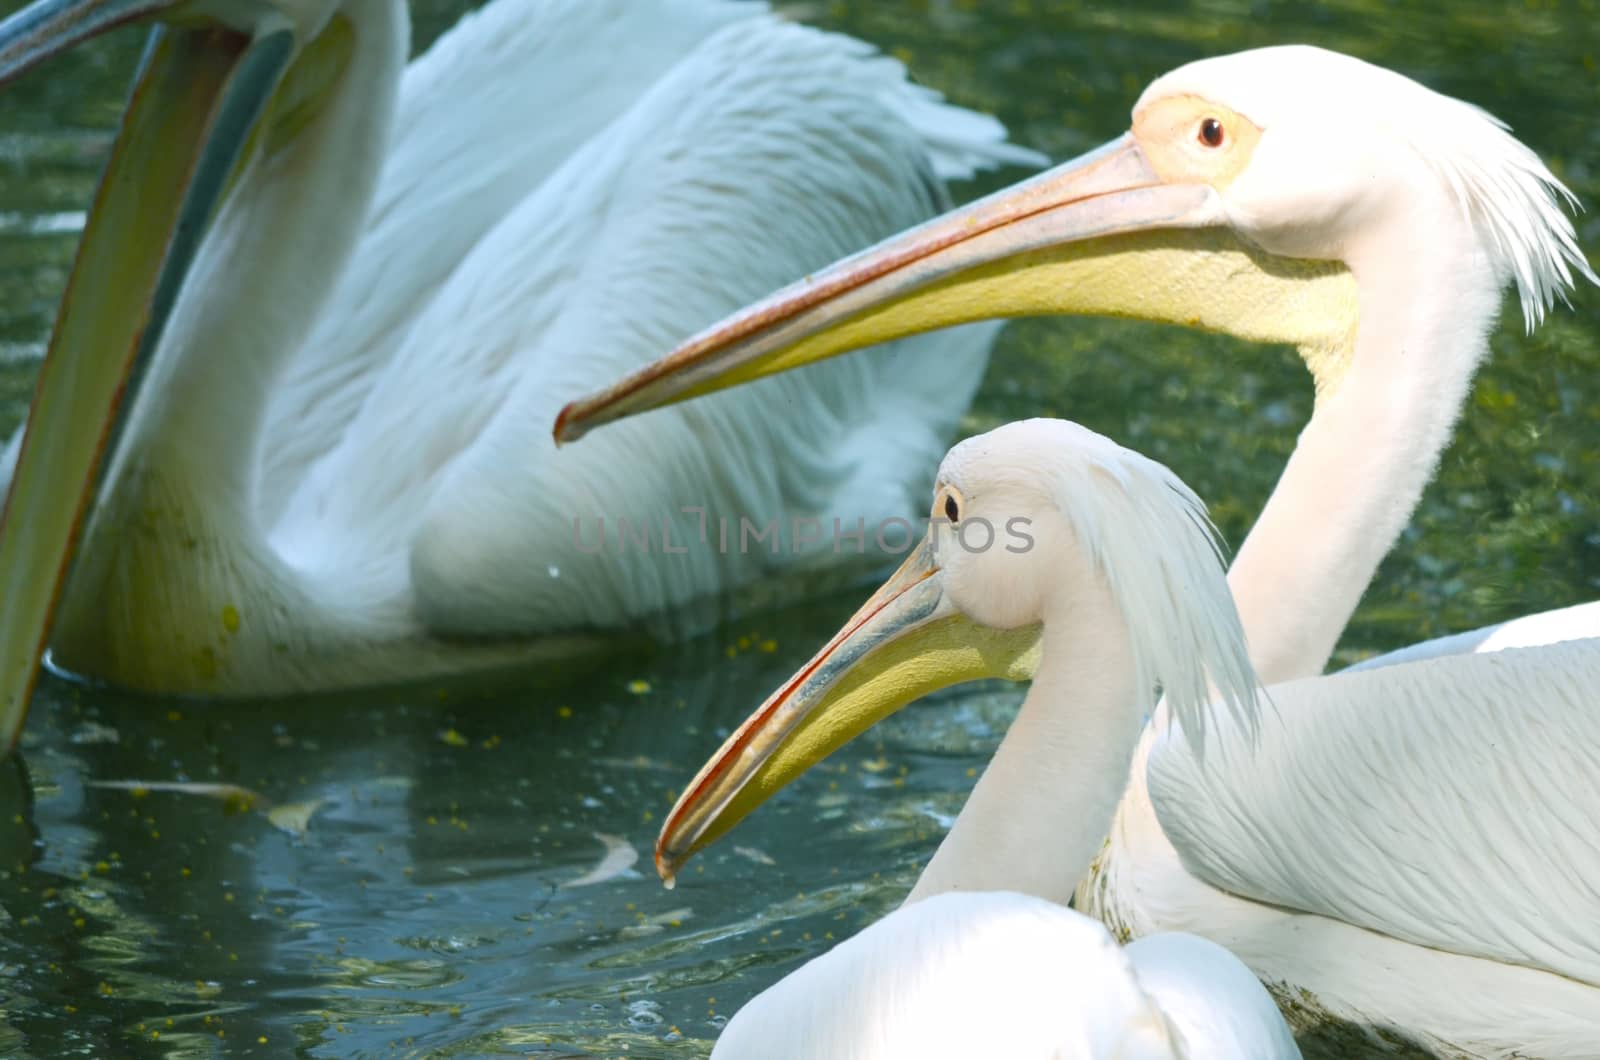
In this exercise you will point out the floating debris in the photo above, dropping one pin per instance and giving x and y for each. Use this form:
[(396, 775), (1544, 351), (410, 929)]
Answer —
[(92, 732), (655, 925), (291, 817), (752, 854), (639, 687), (620, 857), (639, 762), (234, 799), (295, 817)]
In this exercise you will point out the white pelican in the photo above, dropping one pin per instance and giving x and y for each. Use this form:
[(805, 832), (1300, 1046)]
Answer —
[(1428, 822), (1113, 554), (1007, 975), (339, 460)]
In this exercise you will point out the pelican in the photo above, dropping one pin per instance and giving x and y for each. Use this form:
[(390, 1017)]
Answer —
[(1007, 975), (1113, 556), (1406, 859), (337, 470), (1426, 924)]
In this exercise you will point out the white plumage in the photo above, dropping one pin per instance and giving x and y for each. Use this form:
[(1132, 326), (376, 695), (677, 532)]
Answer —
[(1005, 975), (343, 451), (1420, 802), (1436, 812), (1122, 570), (1292, 194)]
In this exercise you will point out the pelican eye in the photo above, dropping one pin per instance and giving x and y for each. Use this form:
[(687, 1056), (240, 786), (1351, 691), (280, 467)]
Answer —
[(949, 502), (1211, 132)]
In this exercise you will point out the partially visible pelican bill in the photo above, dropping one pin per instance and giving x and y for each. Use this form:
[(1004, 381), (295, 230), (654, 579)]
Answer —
[(199, 91)]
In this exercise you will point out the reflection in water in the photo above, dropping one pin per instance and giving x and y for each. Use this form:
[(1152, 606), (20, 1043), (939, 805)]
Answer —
[(426, 909)]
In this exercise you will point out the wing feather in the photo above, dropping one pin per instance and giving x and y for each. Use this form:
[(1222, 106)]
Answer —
[(505, 101), (1449, 802)]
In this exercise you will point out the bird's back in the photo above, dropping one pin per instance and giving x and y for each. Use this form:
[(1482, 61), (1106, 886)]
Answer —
[(961, 975), (763, 150)]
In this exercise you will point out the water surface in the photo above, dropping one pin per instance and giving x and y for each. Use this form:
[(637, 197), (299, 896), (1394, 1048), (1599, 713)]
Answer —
[(410, 891)]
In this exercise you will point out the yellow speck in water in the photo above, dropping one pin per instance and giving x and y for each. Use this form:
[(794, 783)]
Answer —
[(184, 872), (638, 687), (454, 738), (230, 619), (769, 646), (563, 712), (173, 715), (102, 867)]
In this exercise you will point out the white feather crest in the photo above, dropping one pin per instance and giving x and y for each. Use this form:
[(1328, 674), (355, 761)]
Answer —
[(1511, 197)]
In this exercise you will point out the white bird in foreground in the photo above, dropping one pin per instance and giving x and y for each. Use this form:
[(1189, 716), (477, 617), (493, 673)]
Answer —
[(339, 464), (1114, 555), (1014, 977), (1408, 858)]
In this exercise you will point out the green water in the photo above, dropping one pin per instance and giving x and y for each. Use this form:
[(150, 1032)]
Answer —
[(424, 910)]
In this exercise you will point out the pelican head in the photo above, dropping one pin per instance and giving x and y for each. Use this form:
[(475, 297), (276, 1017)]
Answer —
[(1035, 523), (215, 73), (1274, 194)]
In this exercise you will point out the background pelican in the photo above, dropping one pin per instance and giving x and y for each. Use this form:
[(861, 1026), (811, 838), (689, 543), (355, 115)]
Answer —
[(1113, 554), (340, 455), (1382, 256)]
